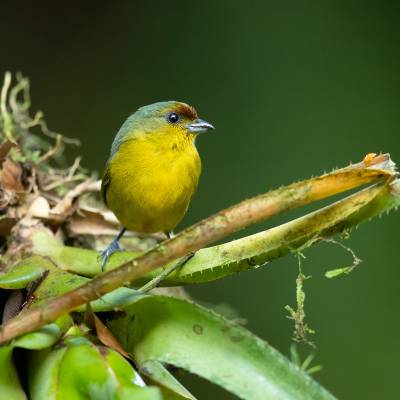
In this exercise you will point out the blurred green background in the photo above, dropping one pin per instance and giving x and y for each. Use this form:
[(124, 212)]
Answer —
[(294, 88)]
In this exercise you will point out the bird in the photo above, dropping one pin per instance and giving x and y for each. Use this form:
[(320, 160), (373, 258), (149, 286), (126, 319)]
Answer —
[(153, 169)]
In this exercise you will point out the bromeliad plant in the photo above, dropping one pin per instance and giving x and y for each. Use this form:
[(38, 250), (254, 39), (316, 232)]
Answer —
[(88, 334)]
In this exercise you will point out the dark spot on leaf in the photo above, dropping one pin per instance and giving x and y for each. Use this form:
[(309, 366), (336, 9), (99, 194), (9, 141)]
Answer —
[(197, 329)]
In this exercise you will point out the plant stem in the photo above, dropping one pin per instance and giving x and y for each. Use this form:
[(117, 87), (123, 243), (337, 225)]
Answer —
[(204, 233)]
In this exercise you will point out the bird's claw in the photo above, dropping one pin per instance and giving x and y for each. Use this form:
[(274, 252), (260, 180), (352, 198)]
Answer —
[(112, 248)]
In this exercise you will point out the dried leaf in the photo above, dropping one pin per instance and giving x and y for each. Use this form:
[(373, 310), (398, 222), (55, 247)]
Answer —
[(5, 147), (39, 208), (103, 333), (6, 197), (21, 234), (11, 176), (92, 223), (66, 206), (369, 158), (6, 224), (16, 177)]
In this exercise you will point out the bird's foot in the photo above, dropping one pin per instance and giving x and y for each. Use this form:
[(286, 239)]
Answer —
[(112, 248)]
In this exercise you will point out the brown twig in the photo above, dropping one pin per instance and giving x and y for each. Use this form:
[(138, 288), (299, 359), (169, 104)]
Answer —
[(201, 234)]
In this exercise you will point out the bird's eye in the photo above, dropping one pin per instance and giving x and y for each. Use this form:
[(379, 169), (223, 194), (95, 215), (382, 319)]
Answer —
[(173, 118)]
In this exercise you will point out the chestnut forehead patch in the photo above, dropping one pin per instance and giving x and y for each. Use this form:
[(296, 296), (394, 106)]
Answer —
[(186, 111)]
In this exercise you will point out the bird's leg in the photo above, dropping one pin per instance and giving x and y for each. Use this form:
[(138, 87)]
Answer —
[(111, 248), (158, 279)]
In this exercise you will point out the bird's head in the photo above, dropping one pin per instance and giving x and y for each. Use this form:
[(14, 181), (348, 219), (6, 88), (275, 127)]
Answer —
[(167, 117), (170, 116)]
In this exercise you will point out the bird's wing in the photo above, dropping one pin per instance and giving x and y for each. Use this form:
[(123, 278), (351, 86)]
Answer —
[(105, 183)]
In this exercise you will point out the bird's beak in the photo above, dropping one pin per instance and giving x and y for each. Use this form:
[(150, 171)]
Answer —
[(199, 125)]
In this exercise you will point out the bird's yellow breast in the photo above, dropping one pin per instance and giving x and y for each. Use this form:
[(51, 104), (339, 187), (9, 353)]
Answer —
[(152, 179)]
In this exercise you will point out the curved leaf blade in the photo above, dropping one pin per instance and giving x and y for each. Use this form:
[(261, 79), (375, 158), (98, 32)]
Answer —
[(185, 335), (22, 273), (171, 388), (44, 337), (10, 386)]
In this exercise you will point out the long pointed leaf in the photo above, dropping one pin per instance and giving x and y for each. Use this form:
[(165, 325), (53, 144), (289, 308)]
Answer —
[(172, 331), (171, 388)]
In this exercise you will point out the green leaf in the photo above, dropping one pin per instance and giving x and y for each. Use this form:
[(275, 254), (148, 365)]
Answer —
[(43, 369), (46, 336), (10, 387), (58, 282), (126, 375), (78, 369), (172, 331), (333, 273), (171, 388), (22, 273), (83, 261)]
